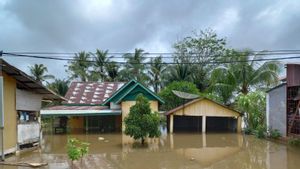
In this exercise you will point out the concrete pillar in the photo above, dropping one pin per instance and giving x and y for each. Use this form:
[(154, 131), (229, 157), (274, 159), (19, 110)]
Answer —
[(171, 123), (239, 124), (203, 124), (203, 140)]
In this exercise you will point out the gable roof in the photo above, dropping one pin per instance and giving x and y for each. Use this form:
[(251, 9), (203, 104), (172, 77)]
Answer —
[(90, 93), (194, 101), (26, 82), (128, 88)]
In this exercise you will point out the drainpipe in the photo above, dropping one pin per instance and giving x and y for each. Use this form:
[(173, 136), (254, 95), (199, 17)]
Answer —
[(1, 111)]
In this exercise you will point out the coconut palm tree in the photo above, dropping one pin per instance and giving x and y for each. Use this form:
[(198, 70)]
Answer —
[(179, 72), (244, 74), (156, 71), (134, 67), (38, 72), (78, 67), (59, 86), (99, 64), (112, 71)]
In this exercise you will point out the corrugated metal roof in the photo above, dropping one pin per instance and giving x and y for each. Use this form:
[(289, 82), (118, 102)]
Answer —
[(91, 93), (26, 82)]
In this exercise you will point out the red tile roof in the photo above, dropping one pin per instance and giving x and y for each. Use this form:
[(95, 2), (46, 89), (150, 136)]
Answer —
[(91, 93)]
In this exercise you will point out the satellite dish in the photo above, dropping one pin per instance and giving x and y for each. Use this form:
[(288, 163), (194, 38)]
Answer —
[(185, 95)]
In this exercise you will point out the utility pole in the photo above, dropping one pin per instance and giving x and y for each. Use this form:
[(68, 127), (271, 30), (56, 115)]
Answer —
[(1, 109)]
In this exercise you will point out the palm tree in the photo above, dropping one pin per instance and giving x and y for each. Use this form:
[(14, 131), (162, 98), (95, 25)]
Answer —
[(99, 64), (38, 72), (78, 68), (59, 86), (245, 74), (135, 66), (179, 72), (156, 70), (112, 71)]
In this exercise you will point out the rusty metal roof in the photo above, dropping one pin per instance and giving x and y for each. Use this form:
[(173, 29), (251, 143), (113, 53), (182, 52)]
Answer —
[(90, 93), (26, 82)]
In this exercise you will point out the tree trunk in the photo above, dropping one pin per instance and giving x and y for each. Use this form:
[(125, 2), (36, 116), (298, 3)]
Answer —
[(143, 141)]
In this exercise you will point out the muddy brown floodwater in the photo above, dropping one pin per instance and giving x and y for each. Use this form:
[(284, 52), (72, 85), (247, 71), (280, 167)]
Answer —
[(180, 150)]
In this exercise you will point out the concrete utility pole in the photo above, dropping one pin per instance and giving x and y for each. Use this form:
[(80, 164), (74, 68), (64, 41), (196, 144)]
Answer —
[(1, 110)]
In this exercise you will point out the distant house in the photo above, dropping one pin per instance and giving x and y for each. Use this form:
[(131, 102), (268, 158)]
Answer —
[(20, 102), (283, 103), (202, 115), (99, 106)]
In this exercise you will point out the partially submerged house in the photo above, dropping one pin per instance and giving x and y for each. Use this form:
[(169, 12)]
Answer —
[(283, 103), (203, 115), (99, 106), (20, 102)]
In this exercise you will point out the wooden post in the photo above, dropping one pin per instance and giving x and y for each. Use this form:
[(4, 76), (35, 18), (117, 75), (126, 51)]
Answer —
[(239, 124), (203, 124), (171, 123)]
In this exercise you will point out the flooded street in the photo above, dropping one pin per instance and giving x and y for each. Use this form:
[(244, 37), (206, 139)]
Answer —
[(215, 151)]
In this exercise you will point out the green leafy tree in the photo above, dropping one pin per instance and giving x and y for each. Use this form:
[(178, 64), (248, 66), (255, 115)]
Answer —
[(134, 68), (203, 48), (38, 72), (156, 70), (254, 107), (141, 122), (79, 66), (171, 100)]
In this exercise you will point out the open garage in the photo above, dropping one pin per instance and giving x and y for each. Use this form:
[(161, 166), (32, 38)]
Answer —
[(203, 115)]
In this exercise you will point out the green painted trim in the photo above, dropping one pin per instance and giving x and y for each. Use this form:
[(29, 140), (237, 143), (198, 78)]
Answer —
[(143, 87), (117, 92), (130, 90)]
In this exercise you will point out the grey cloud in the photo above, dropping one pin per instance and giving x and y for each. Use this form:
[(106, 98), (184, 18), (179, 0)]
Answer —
[(122, 25)]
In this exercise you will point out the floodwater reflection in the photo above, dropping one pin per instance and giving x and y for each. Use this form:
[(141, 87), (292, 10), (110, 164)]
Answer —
[(180, 150)]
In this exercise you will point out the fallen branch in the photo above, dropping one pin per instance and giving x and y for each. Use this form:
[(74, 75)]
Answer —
[(24, 164)]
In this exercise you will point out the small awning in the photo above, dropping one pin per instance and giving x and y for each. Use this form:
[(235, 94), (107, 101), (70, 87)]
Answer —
[(79, 111)]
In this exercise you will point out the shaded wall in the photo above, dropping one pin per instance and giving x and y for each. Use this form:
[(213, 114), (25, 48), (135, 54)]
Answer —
[(276, 109), (10, 114)]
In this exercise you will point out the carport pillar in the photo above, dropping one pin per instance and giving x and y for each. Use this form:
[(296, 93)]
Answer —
[(239, 124), (203, 124), (171, 123)]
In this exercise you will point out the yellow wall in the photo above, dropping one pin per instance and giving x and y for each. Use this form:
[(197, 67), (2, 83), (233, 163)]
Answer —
[(125, 107), (76, 122), (206, 107), (10, 113)]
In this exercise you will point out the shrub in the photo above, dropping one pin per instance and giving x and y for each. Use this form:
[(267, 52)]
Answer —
[(260, 132), (248, 131), (294, 142), (76, 149), (274, 133)]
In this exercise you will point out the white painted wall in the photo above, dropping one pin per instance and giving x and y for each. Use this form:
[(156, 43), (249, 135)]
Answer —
[(26, 100), (28, 132)]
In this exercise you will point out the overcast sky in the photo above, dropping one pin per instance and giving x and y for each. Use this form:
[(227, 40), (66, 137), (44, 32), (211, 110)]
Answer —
[(154, 25)]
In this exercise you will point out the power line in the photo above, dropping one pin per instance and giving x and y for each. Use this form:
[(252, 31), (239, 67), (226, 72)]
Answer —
[(167, 63), (166, 55)]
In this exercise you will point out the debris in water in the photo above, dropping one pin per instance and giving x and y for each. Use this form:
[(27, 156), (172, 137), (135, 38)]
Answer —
[(101, 138)]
